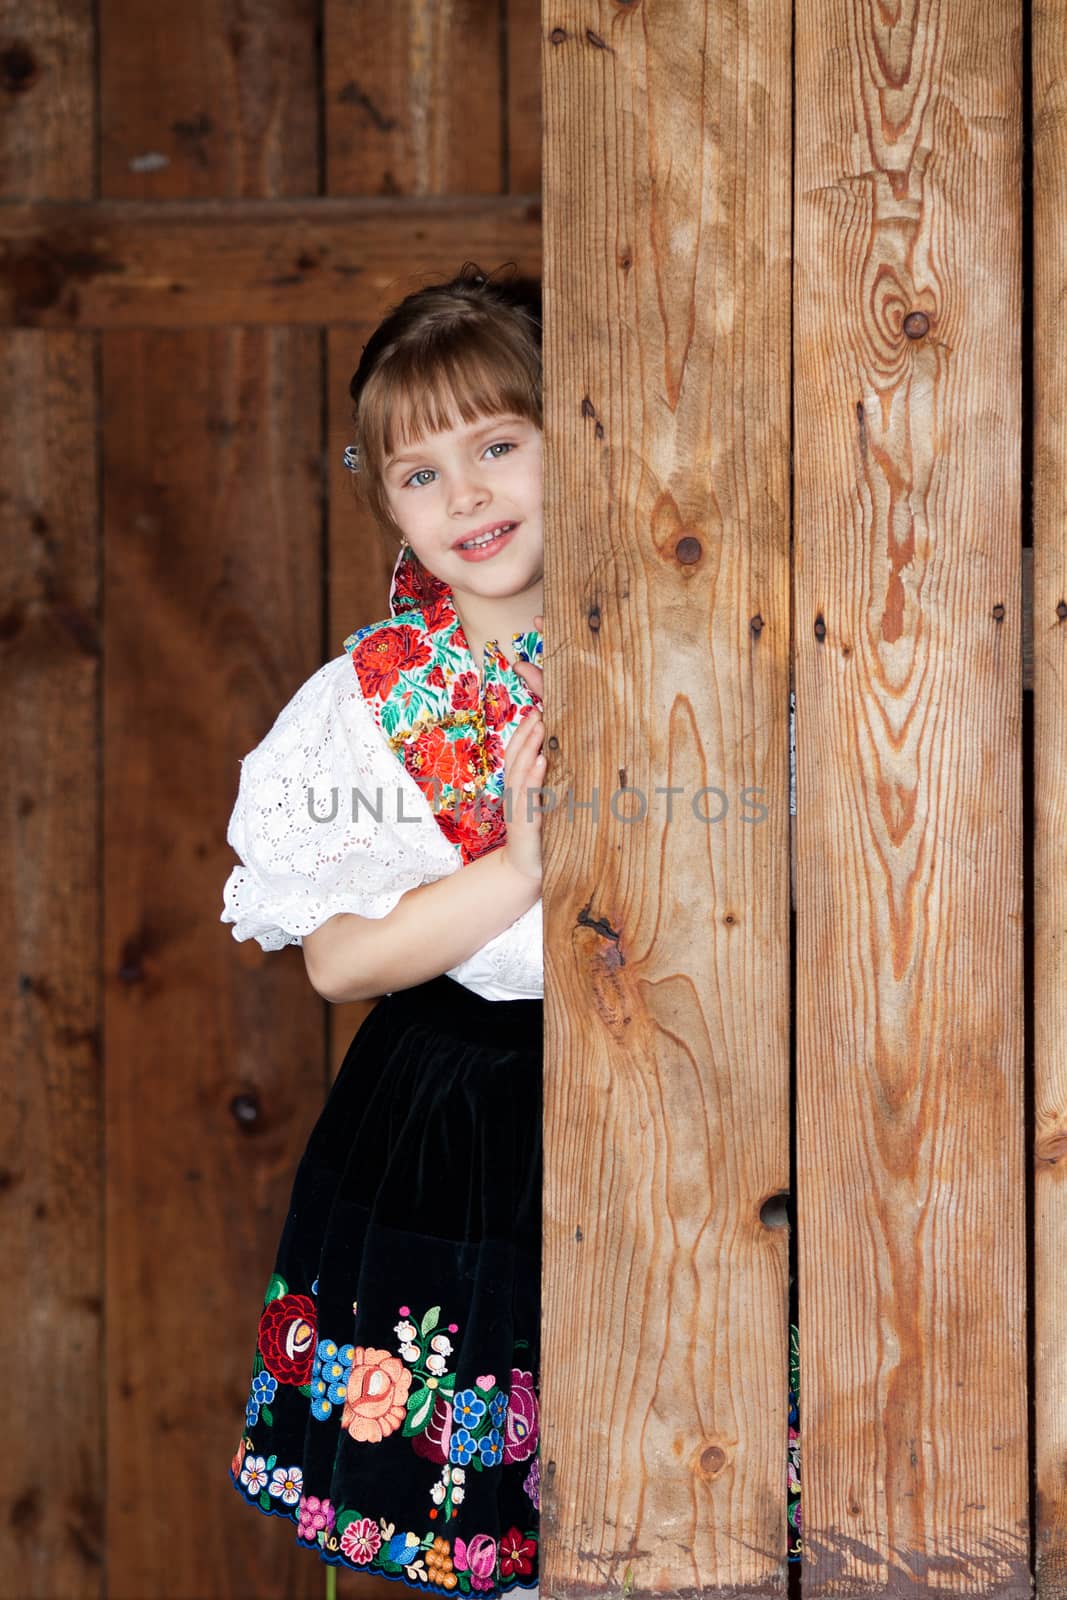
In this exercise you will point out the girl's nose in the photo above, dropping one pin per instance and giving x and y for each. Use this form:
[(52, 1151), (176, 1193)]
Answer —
[(466, 494)]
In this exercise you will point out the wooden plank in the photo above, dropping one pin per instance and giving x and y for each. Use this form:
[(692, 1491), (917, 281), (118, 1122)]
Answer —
[(211, 466), (51, 1269), (522, 103), (909, 1005), (413, 97), (46, 99), (213, 99), (52, 1504), (667, 655), (122, 265), (1049, 602)]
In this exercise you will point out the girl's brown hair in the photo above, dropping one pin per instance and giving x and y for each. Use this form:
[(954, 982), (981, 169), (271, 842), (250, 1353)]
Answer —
[(464, 349)]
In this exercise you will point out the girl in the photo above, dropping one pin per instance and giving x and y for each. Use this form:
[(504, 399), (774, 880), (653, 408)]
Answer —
[(393, 1412), (388, 823)]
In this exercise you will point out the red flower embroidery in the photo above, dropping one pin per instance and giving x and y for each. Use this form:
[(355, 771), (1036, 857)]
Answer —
[(516, 1553), (438, 614), (477, 829), (498, 705), (287, 1338), (383, 655), (493, 749), (436, 677), (465, 692), (415, 585), (433, 755)]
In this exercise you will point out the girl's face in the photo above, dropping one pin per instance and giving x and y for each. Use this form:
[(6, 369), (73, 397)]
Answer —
[(468, 480)]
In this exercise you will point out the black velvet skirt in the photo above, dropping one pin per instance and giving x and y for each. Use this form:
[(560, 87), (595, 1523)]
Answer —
[(393, 1413)]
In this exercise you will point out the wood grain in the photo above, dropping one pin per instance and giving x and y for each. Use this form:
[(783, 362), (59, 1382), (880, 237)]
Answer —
[(1049, 131), (909, 1001), (212, 99), (52, 1503), (412, 97), (215, 1053), (667, 656), (51, 1267), (522, 104), (47, 99), (122, 265)]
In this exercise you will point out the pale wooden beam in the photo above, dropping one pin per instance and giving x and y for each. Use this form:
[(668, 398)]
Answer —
[(667, 161), (909, 899)]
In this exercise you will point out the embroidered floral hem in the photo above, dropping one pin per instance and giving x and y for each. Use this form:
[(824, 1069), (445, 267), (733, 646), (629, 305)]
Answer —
[(344, 1538)]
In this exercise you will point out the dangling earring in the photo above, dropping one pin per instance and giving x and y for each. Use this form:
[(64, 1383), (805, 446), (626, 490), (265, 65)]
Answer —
[(403, 541)]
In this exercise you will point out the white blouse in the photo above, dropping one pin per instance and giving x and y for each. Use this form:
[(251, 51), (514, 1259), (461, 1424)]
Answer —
[(363, 836)]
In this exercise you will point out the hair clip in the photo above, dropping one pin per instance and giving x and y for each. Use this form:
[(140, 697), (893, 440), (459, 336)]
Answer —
[(351, 457)]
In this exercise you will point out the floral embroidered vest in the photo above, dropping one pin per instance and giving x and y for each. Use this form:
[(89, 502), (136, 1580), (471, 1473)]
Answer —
[(446, 725)]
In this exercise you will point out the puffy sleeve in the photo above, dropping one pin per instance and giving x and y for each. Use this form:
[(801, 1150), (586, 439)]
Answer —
[(326, 819)]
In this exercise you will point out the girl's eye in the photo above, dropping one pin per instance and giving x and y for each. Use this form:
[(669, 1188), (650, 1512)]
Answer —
[(418, 478)]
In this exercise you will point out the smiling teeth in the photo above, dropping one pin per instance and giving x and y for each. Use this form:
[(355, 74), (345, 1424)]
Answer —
[(485, 538)]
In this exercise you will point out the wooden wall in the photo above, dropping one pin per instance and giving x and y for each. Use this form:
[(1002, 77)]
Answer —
[(804, 364), (822, 489), (206, 209)]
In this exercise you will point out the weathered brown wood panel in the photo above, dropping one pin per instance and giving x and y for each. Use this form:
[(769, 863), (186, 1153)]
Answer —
[(667, 655), (214, 1055), (1049, 132), (525, 124), (911, 1166), (47, 99), (212, 533), (299, 261), (51, 1267), (413, 97), (208, 98)]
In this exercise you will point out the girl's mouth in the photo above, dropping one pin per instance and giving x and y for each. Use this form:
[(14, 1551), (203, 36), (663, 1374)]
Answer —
[(488, 544)]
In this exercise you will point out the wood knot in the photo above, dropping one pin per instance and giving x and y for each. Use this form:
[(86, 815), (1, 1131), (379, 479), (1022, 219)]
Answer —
[(916, 324), (1052, 1148), (820, 628), (710, 1462), (18, 69), (558, 36), (756, 624), (1061, 610), (688, 550), (245, 1109), (774, 1212), (998, 612), (593, 619)]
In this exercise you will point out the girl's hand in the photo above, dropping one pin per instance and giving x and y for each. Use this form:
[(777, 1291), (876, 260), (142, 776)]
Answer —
[(533, 677), (524, 772)]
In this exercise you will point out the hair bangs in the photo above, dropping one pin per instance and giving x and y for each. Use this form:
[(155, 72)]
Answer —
[(458, 379)]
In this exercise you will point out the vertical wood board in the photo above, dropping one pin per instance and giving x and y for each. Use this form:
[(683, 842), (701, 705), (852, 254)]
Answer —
[(52, 1503), (211, 98), (214, 1056), (412, 97), (908, 830), (667, 646), (1049, 132), (47, 99)]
